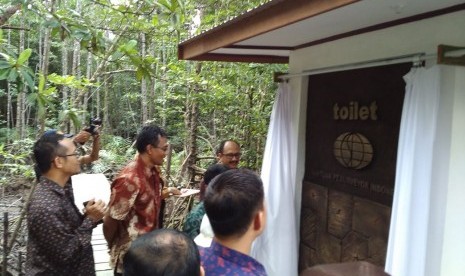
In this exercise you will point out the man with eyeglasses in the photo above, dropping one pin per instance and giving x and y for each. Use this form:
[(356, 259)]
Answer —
[(80, 139), (229, 153), (137, 195), (59, 237)]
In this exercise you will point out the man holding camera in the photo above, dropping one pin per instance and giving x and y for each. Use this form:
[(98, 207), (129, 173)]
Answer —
[(84, 135)]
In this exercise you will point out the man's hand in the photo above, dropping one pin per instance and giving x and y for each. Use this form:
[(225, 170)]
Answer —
[(95, 210), (169, 191)]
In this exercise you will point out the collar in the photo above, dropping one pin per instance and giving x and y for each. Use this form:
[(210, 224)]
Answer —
[(53, 186), (231, 254), (148, 170)]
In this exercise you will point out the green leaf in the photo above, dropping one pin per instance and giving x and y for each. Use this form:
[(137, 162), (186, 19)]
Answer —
[(12, 75), (139, 73), (4, 64), (28, 77), (82, 34), (52, 24), (4, 73), (24, 56)]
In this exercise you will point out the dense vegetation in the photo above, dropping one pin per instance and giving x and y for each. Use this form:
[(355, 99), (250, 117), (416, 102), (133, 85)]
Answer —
[(66, 61)]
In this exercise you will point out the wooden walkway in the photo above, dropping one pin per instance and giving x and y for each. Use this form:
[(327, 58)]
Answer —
[(88, 186), (101, 256)]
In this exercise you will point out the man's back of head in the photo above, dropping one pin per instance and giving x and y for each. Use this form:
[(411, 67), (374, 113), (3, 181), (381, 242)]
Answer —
[(162, 252), (234, 200)]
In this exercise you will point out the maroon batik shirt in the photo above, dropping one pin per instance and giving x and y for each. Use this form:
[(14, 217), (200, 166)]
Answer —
[(135, 202)]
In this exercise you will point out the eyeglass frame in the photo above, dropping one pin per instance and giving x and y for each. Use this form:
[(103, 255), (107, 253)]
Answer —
[(163, 149), (231, 155), (75, 153)]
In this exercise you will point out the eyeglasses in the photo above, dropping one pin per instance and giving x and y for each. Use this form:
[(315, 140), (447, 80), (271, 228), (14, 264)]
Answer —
[(76, 153), (165, 148), (231, 155)]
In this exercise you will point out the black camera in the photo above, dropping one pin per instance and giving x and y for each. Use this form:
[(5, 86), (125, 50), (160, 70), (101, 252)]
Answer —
[(94, 122)]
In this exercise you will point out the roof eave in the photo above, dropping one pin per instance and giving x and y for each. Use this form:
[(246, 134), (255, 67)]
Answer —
[(270, 16), (242, 58)]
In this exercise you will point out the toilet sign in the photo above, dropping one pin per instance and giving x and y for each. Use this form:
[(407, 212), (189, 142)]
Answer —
[(353, 120)]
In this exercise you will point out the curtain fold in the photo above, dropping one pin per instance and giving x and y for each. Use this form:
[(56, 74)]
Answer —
[(406, 253), (277, 247)]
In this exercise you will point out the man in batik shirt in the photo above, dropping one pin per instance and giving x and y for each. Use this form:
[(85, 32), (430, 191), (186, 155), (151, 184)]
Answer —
[(234, 203), (59, 237), (136, 196)]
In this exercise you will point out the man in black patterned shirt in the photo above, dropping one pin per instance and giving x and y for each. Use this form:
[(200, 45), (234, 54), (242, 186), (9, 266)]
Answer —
[(59, 237)]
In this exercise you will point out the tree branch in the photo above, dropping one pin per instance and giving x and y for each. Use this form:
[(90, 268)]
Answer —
[(8, 27), (8, 12), (118, 71)]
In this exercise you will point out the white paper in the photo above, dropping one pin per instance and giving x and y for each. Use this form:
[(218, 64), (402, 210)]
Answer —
[(188, 192), (90, 186)]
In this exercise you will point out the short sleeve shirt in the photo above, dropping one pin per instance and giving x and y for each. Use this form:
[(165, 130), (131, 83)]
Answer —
[(135, 201), (220, 260)]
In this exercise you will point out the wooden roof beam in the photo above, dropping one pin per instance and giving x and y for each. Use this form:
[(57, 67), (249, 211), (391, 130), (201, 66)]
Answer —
[(270, 16)]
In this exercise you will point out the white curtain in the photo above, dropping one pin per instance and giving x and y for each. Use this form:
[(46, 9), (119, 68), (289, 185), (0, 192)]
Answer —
[(277, 247), (407, 248)]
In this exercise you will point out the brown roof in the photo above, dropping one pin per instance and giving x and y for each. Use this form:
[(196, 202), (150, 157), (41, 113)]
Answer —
[(270, 32)]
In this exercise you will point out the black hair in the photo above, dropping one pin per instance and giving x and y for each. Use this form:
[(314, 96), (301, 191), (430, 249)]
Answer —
[(162, 252), (149, 135), (220, 147), (232, 200), (209, 175), (213, 171), (45, 150)]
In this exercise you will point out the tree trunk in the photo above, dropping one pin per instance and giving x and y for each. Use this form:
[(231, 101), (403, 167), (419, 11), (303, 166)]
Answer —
[(9, 118), (46, 46), (151, 96), (64, 88), (20, 108), (9, 106), (192, 142), (106, 118), (143, 86), (163, 86), (88, 75), (106, 84), (192, 114), (76, 71), (97, 103)]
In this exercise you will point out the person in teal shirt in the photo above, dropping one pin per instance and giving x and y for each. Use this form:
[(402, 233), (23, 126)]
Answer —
[(194, 218)]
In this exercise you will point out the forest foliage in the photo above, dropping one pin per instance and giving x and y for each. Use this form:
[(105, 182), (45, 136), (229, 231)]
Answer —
[(64, 62)]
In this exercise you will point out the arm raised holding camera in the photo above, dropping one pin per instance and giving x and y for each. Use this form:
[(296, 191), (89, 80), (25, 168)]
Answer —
[(82, 137), (94, 154)]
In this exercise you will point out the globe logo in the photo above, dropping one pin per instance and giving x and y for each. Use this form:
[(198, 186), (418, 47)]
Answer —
[(353, 150)]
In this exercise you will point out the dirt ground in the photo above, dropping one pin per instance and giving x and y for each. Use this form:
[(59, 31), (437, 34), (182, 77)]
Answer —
[(12, 199)]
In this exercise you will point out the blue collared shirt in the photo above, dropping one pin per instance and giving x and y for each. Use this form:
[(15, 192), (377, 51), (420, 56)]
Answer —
[(220, 260)]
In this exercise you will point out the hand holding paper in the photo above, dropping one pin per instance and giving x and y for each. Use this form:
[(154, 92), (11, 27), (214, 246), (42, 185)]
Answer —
[(188, 192)]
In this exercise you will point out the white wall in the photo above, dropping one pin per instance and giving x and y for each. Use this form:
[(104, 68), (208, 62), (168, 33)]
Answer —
[(446, 241), (452, 261), (420, 36)]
